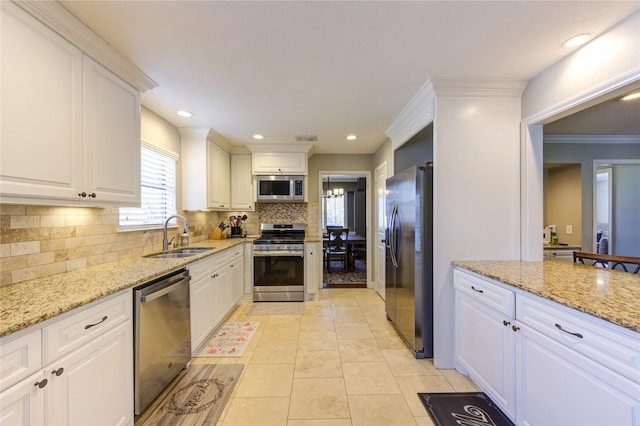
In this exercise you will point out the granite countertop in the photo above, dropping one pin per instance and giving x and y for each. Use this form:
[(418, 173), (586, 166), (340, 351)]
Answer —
[(607, 294), (30, 302), (561, 247)]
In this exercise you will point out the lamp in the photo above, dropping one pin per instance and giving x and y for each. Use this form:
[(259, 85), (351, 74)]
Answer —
[(336, 192)]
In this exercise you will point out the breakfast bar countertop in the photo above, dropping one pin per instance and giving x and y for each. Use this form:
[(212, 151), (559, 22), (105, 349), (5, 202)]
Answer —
[(31, 302), (610, 295)]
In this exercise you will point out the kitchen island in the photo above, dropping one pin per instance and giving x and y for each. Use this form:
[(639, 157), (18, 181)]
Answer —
[(550, 342)]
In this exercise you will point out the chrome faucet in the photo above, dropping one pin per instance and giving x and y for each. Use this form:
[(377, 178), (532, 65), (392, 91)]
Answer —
[(165, 241)]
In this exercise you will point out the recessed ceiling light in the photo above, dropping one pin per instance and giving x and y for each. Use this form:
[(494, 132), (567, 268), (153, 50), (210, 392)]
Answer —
[(576, 41), (185, 114), (258, 136), (351, 137), (631, 96)]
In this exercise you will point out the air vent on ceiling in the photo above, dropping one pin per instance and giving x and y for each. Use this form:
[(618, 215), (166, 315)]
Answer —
[(308, 138)]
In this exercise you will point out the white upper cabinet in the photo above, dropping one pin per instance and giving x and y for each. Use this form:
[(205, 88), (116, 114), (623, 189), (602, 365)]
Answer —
[(283, 159), (279, 163), (70, 127), (41, 141), (111, 136), (242, 190), (205, 171)]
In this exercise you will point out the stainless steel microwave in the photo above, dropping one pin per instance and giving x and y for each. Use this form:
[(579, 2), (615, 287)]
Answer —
[(280, 188)]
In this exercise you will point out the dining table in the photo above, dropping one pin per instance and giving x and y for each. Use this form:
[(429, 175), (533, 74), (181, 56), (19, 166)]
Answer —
[(353, 240)]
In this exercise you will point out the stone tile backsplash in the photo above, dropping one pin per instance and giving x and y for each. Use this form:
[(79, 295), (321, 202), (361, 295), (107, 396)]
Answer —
[(38, 241)]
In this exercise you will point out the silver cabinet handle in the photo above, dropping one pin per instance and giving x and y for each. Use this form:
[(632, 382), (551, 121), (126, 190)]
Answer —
[(88, 326), (559, 327)]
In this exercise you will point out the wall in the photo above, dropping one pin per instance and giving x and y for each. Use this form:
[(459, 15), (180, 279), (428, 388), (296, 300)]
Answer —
[(476, 195), (626, 209), (416, 151), (341, 162), (584, 154), (38, 241), (564, 202), (599, 70)]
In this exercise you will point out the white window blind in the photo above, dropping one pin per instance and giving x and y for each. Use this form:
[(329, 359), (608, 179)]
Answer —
[(158, 191)]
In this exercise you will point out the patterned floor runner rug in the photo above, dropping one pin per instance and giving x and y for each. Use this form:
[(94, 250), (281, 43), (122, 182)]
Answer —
[(465, 408), (232, 340), (199, 396), (337, 274)]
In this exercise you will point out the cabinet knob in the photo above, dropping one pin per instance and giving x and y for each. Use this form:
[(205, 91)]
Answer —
[(506, 323), (92, 195), (42, 383), (515, 328), (58, 372), (82, 195)]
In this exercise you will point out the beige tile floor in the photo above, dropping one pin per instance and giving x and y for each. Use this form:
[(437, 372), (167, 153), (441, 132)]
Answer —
[(340, 363)]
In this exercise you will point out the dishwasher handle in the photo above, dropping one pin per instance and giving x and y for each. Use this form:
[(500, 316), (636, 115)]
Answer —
[(168, 286)]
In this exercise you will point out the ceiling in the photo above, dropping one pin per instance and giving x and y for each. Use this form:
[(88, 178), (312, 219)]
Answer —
[(328, 68)]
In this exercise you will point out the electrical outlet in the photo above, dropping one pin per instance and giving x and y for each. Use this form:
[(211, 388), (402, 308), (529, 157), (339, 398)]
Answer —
[(569, 229)]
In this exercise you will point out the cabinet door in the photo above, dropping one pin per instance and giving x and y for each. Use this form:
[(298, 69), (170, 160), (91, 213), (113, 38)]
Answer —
[(111, 137), (219, 192), (41, 132), (557, 386), (23, 403), (484, 347), (242, 191), (237, 280), (221, 294), (312, 267), (279, 163), (201, 298), (96, 384)]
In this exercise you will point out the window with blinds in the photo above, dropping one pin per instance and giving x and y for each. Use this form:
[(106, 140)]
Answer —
[(158, 190)]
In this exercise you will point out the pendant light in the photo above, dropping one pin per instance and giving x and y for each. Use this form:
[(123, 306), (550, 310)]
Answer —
[(336, 192)]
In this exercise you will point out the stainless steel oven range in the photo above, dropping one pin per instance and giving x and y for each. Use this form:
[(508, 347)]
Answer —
[(278, 263)]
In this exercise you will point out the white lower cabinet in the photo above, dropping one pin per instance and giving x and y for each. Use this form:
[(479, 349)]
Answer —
[(484, 339), (216, 288), (312, 268), (545, 364), (557, 386), (91, 384)]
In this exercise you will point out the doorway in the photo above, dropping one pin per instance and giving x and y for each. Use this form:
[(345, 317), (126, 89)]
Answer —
[(344, 220)]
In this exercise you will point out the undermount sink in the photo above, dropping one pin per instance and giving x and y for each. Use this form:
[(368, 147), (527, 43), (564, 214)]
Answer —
[(182, 252)]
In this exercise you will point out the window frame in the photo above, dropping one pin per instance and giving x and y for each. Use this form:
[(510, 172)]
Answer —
[(169, 154)]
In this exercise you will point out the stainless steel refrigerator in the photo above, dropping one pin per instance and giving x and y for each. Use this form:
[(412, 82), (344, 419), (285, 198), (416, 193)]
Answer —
[(409, 257)]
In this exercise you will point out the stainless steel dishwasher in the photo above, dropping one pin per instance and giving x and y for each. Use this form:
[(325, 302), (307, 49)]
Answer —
[(162, 333)]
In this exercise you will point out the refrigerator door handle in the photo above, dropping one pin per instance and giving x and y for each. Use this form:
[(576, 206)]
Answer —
[(393, 243)]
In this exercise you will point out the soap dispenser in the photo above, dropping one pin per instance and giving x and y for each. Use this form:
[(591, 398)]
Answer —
[(184, 239)]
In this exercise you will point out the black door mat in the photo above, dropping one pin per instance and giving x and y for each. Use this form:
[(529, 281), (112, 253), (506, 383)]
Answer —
[(465, 408)]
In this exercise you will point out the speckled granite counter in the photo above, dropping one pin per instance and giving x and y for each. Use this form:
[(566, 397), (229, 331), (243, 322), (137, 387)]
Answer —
[(610, 295), (31, 302)]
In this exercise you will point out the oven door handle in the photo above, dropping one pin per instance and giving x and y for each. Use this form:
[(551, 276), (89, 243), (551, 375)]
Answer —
[(279, 253)]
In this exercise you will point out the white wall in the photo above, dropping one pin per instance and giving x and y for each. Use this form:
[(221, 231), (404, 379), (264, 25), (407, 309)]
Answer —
[(477, 195), (607, 66)]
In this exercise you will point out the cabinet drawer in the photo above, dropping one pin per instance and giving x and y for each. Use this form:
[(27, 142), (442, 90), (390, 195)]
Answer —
[(67, 334), (498, 298), (606, 344), (220, 259), (19, 358), (235, 253), (199, 269)]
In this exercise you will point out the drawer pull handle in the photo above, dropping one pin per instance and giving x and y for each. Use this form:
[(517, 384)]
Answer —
[(42, 383), (58, 372), (475, 289), (506, 323), (559, 327), (88, 326)]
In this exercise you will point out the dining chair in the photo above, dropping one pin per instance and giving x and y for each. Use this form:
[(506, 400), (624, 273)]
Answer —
[(337, 246)]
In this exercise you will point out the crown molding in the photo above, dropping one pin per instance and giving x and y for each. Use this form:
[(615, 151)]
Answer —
[(55, 16), (450, 87), (594, 139)]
